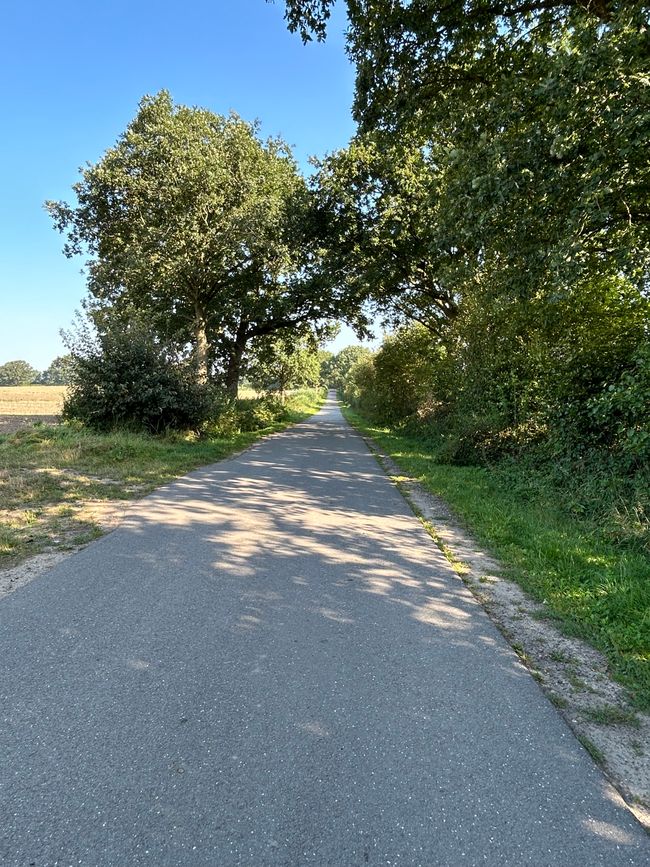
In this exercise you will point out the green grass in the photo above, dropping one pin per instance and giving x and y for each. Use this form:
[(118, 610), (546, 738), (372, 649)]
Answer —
[(611, 715), (596, 754), (48, 473), (591, 587)]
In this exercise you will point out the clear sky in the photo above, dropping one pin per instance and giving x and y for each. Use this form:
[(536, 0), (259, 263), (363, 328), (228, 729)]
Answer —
[(71, 76)]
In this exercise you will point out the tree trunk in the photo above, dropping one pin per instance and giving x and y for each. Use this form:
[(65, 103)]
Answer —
[(201, 349), (233, 369)]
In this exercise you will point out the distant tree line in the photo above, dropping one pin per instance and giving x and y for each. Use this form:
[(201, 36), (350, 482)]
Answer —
[(20, 372)]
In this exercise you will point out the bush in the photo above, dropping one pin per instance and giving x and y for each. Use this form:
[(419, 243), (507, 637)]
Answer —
[(622, 412), (253, 414), (258, 413), (124, 379), (246, 415)]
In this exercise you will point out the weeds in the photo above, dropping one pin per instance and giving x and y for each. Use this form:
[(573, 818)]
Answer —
[(591, 748), (611, 715)]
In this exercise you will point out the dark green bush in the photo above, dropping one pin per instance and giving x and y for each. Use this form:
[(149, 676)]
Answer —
[(622, 412), (124, 379)]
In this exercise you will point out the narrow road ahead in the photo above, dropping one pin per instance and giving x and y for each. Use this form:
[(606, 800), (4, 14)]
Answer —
[(270, 663)]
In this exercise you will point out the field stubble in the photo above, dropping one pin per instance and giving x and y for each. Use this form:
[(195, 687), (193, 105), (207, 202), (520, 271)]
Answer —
[(25, 405)]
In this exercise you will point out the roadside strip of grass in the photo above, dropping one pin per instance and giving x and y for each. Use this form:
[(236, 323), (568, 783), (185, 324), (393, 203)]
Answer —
[(590, 587), (50, 474)]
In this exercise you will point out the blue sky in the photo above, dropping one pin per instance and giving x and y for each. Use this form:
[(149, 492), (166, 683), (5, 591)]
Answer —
[(71, 76)]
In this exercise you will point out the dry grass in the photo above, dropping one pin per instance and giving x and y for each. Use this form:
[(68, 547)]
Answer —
[(59, 485), (24, 400)]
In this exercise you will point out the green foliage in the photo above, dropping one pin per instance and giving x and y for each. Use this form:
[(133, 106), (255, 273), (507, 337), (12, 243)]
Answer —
[(326, 360), (125, 379), (502, 149), (58, 373), (359, 387), (194, 223), (380, 218), (406, 366), (266, 412), (535, 115), (344, 361), (622, 411), (283, 362), (563, 372), (260, 413), (17, 373)]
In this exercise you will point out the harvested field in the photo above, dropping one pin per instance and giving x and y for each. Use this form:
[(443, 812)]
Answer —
[(24, 405), (29, 400)]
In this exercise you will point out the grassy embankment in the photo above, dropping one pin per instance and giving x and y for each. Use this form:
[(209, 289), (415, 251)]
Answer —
[(50, 474), (591, 587)]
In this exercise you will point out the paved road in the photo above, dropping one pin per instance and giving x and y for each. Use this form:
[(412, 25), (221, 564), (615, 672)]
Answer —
[(271, 664)]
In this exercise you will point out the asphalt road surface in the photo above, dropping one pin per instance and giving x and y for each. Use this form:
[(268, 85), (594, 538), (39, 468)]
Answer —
[(270, 663)]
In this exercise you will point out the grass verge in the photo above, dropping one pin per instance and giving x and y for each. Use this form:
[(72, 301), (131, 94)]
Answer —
[(48, 474), (590, 586)]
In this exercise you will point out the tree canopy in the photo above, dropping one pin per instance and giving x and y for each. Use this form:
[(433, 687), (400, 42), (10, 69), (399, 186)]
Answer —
[(193, 222), (59, 372), (380, 227), (17, 372), (532, 119)]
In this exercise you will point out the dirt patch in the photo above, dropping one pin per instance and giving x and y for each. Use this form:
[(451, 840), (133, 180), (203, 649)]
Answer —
[(12, 423), (573, 674), (102, 516), (17, 576)]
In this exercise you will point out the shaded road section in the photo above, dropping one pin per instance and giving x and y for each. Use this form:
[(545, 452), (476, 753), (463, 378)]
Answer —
[(270, 663)]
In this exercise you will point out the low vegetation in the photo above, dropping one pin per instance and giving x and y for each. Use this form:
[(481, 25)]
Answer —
[(48, 474)]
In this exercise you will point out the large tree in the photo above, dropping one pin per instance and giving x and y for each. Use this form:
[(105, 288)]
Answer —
[(378, 207), (536, 117), (194, 222), (17, 373)]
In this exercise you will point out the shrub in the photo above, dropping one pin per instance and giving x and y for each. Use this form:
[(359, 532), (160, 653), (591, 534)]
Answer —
[(622, 412), (258, 413), (246, 415), (124, 379)]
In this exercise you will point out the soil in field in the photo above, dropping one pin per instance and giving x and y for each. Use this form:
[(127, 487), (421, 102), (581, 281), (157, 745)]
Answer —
[(22, 406), (11, 423)]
